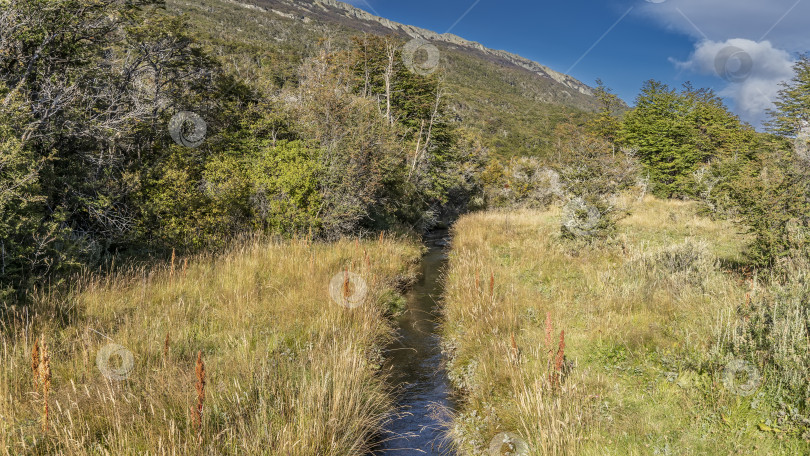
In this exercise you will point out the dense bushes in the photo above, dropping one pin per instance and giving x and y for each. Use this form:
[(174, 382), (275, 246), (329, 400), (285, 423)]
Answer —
[(89, 167), (675, 133), (768, 335), (586, 176), (525, 182), (768, 187)]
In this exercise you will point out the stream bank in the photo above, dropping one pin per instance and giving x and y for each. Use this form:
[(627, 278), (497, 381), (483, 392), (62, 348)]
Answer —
[(415, 364)]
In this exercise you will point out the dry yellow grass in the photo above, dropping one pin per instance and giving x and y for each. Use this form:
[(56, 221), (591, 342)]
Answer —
[(641, 316), (287, 370)]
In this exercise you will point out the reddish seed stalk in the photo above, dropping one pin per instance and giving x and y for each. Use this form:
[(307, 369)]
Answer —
[(35, 364), (45, 380), (347, 289), (196, 411), (492, 284)]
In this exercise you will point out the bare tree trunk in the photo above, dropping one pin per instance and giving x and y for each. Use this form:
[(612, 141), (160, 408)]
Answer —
[(388, 76), (439, 93), (432, 121), (416, 152)]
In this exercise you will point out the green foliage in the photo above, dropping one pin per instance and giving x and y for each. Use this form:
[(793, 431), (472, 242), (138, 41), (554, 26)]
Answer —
[(591, 174), (674, 133), (606, 122), (270, 189), (415, 102), (768, 187), (89, 168), (793, 103), (767, 192), (770, 333), (20, 204), (526, 182), (284, 187)]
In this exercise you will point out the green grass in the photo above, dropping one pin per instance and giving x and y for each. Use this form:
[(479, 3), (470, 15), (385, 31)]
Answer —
[(289, 371), (641, 316)]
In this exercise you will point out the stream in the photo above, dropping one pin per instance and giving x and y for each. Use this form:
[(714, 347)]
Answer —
[(414, 362)]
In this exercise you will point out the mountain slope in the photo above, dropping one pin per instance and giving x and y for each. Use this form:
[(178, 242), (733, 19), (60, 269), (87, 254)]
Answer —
[(326, 10), (513, 101)]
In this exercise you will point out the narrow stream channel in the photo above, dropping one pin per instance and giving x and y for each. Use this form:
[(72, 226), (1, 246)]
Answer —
[(414, 361)]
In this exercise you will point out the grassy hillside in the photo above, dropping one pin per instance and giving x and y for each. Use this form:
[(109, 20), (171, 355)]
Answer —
[(288, 371), (515, 109), (639, 372)]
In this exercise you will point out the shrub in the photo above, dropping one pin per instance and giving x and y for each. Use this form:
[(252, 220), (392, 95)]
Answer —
[(677, 266), (771, 330), (526, 182), (591, 174), (766, 183)]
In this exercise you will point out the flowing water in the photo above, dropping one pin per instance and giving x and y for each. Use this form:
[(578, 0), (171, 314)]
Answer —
[(415, 364)]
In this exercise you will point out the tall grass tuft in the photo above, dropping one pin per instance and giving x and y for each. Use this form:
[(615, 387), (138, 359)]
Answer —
[(556, 373), (633, 372), (287, 371), (166, 350), (549, 335), (769, 329)]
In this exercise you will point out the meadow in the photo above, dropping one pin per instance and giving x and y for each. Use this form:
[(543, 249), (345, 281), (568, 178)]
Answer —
[(611, 347), (271, 348)]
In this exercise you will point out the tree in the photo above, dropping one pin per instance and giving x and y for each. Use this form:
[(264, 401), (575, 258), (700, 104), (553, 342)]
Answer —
[(24, 242), (91, 85), (591, 174), (792, 106), (769, 188), (675, 133), (606, 123)]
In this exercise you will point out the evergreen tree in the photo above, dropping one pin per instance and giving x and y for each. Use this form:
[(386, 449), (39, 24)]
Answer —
[(675, 133), (606, 123), (792, 107)]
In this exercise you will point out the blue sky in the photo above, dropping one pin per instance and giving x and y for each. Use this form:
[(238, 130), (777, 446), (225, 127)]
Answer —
[(740, 48)]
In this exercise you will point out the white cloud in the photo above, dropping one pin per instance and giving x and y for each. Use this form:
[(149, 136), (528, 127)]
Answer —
[(746, 42), (752, 70), (783, 22)]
